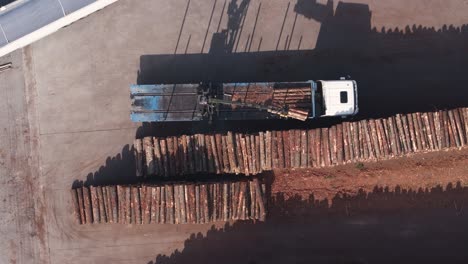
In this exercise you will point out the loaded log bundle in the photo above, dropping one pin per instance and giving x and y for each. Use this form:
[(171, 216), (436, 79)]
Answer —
[(251, 154), (171, 203)]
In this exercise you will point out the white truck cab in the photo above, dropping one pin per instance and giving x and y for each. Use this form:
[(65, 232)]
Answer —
[(335, 98)]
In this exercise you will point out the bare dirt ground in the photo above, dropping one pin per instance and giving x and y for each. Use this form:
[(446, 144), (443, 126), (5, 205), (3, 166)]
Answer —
[(420, 172)]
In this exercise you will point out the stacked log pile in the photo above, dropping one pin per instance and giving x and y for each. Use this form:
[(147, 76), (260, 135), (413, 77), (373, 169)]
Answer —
[(175, 203), (293, 98), (250, 154)]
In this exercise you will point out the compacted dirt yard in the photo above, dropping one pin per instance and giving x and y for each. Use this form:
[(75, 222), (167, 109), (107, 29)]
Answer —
[(418, 173)]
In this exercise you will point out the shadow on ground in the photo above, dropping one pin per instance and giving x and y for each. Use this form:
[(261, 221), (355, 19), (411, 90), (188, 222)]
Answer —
[(398, 70), (119, 169), (383, 226)]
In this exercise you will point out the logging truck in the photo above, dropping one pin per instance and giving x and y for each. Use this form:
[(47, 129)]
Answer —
[(243, 101)]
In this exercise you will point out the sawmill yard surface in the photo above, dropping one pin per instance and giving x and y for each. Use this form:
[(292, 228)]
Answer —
[(64, 117)]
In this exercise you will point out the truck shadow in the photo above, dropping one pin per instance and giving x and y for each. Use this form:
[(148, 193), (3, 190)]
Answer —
[(365, 228), (398, 70)]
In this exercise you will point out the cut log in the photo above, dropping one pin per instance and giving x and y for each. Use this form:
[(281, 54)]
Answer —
[(464, 117), (252, 201), (401, 133), (326, 147), (292, 147), (349, 135), (245, 155), (158, 162), (87, 205), (224, 148), (182, 151), (303, 148), (332, 142), (121, 203), (225, 202), (175, 156), (165, 158), (177, 208), (261, 142), (170, 155), (414, 143), (445, 129), (139, 158), (339, 144), (188, 208), (397, 136), (406, 130), (438, 130), (390, 137), (106, 205), (239, 153), (197, 204), (94, 204), (231, 153), (274, 149), (149, 156), (428, 123), (311, 159), (87, 210), (356, 141), (260, 200), (193, 209), (154, 218), (206, 204), (127, 206), (268, 156), (423, 134), (182, 204), (216, 158), (108, 201), (297, 148), (219, 152), (136, 205), (417, 132), (248, 151), (453, 135), (102, 208), (279, 141), (114, 203), (210, 155), (146, 204), (203, 153), (257, 153), (459, 126), (122, 199), (375, 139), (162, 205), (190, 155), (254, 154), (286, 148)]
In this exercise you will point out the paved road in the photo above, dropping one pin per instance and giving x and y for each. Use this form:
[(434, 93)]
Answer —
[(77, 84), (28, 16)]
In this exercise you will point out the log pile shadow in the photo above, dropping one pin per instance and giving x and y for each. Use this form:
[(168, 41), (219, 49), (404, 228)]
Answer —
[(119, 169), (382, 226)]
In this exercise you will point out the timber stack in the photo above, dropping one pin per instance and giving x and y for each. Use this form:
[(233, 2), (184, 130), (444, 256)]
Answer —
[(174, 203), (348, 142)]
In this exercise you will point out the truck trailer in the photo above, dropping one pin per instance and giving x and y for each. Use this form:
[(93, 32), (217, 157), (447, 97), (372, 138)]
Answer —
[(243, 101)]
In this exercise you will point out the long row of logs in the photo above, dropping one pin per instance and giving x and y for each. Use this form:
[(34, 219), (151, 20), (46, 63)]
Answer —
[(249, 154), (175, 203)]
